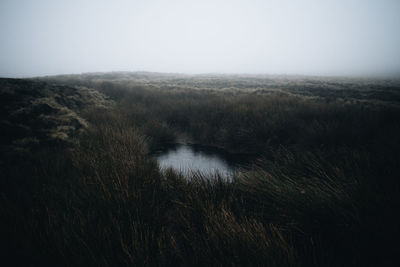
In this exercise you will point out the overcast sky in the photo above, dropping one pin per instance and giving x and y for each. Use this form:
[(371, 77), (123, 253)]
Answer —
[(311, 37)]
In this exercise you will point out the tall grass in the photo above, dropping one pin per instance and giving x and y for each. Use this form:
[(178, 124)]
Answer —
[(106, 203), (325, 191), (255, 123)]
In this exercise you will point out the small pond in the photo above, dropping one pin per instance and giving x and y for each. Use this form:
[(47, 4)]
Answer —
[(189, 158)]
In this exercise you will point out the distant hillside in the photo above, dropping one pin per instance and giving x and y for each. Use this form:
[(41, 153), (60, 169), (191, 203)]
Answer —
[(376, 91), (37, 113)]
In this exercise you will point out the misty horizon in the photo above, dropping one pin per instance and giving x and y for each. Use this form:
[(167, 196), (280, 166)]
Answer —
[(307, 38)]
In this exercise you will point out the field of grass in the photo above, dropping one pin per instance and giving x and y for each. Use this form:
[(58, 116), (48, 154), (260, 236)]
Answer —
[(324, 190)]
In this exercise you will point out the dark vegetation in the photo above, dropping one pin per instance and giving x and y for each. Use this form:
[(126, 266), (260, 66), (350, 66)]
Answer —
[(324, 191)]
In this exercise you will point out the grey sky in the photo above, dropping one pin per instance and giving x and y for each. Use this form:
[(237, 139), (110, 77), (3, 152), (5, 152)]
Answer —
[(316, 37)]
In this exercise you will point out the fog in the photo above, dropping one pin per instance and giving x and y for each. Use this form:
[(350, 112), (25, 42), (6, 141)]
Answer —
[(307, 37)]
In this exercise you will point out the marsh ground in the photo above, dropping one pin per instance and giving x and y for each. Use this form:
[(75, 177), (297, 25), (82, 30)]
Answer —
[(79, 186)]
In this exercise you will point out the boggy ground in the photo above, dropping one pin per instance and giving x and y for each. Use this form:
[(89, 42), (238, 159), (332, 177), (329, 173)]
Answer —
[(323, 192)]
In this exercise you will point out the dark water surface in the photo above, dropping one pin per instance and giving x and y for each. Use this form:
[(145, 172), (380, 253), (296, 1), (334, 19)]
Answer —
[(207, 160)]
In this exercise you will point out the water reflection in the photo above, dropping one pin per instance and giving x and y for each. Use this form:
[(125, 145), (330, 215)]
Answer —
[(194, 158)]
